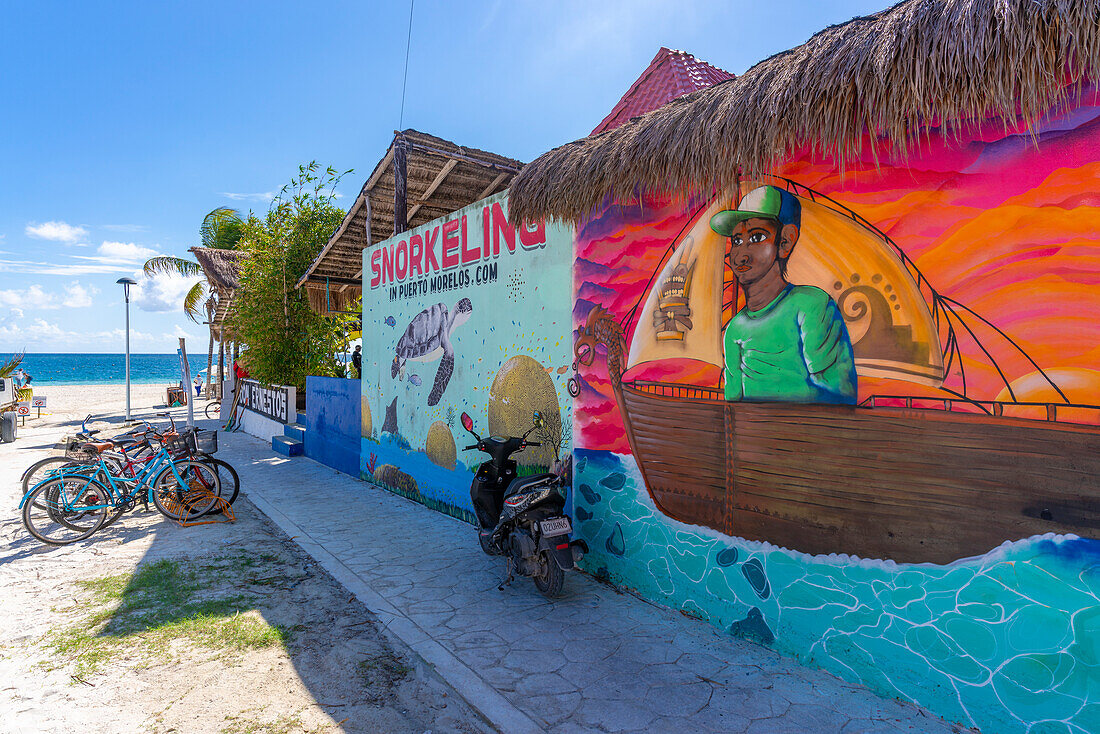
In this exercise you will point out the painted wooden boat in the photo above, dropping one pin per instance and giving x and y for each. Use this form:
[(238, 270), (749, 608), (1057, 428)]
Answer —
[(914, 480), (906, 484)]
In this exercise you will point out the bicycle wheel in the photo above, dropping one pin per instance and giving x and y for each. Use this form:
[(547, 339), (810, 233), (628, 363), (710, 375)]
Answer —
[(213, 410), (49, 501), (42, 469), (231, 483), (74, 517), (53, 512), (186, 490)]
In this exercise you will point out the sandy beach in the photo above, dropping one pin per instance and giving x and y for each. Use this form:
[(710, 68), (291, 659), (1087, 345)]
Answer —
[(66, 403), (334, 670)]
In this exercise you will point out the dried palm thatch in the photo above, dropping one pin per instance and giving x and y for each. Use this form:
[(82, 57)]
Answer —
[(893, 74), (222, 268)]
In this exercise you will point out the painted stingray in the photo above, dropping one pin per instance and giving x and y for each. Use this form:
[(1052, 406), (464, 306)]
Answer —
[(428, 338), (390, 424)]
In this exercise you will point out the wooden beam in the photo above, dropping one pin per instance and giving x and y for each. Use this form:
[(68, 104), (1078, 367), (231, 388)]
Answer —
[(363, 195), (414, 145), (492, 187), (400, 185), (447, 167), (379, 170), (370, 241), (331, 280)]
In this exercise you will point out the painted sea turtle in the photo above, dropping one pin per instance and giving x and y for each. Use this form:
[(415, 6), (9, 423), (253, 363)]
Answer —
[(428, 338)]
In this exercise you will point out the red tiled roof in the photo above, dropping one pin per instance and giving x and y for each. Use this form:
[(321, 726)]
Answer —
[(671, 74)]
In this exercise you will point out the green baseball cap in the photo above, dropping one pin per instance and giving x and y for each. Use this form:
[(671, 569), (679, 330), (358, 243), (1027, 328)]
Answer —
[(765, 202)]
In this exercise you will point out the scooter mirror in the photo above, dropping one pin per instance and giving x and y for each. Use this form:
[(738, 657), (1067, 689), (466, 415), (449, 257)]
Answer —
[(468, 422), (539, 420)]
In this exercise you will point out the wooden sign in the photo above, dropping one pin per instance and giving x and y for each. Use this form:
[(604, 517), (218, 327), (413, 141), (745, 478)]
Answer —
[(273, 401)]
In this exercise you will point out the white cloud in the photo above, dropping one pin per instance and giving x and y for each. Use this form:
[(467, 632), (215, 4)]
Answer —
[(40, 332), (37, 331), (36, 297), (162, 291), (35, 267), (111, 256), (125, 251), (55, 231), (32, 297), (78, 296), (262, 196)]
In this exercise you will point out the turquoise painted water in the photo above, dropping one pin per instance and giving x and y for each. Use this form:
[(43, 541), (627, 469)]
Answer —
[(447, 490), (1007, 642), (104, 369)]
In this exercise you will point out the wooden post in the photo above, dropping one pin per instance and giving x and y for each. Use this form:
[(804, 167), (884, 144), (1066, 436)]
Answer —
[(221, 362), (209, 348), (187, 383), (400, 184)]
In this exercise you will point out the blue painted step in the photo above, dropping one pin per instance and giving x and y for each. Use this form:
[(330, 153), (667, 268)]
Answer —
[(301, 419), (298, 433), (286, 446)]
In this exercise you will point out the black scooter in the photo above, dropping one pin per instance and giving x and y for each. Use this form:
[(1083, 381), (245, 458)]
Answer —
[(522, 518)]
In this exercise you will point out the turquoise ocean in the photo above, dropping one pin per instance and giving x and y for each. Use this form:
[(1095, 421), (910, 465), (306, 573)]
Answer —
[(103, 369)]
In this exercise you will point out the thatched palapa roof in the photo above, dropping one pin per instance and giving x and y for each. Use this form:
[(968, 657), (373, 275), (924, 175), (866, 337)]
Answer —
[(440, 177), (893, 73), (222, 269)]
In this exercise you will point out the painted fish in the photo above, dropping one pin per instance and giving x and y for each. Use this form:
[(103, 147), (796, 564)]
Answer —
[(390, 321), (562, 370), (415, 379)]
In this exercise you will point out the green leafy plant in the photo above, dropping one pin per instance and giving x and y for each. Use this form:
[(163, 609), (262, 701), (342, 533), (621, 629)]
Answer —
[(7, 368), (286, 339), (221, 229)]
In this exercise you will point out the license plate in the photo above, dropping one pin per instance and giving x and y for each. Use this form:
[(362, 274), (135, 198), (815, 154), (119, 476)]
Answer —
[(556, 526)]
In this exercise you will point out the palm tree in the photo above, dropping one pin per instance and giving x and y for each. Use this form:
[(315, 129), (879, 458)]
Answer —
[(221, 229), (9, 367)]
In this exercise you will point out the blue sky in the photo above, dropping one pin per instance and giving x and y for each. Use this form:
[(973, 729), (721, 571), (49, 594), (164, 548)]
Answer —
[(125, 122)]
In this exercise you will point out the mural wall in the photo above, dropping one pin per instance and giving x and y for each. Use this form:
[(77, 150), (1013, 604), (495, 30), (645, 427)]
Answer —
[(464, 314), (851, 417)]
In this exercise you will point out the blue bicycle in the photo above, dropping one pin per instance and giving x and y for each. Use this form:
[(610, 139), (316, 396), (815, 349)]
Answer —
[(77, 500)]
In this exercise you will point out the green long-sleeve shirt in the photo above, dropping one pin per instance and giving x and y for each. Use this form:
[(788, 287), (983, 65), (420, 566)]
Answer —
[(796, 349)]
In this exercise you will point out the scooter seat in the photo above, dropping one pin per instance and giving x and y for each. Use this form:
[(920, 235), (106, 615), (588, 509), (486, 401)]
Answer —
[(522, 484)]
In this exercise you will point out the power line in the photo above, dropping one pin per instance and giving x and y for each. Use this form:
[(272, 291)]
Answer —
[(405, 79)]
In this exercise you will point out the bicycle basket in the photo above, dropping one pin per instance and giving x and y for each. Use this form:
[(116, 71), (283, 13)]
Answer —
[(184, 443), (206, 442), (75, 449)]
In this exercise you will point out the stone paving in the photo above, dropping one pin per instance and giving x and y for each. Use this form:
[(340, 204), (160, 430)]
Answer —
[(593, 660)]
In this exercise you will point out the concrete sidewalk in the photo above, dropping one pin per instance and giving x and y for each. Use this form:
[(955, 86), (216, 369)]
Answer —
[(594, 660)]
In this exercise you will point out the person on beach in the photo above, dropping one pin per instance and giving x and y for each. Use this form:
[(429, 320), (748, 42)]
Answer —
[(789, 343)]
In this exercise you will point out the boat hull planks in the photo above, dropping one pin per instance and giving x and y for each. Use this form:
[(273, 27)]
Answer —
[(905, 484)]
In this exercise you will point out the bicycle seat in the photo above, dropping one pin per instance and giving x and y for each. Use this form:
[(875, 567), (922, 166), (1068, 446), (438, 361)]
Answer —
[(99, 446)]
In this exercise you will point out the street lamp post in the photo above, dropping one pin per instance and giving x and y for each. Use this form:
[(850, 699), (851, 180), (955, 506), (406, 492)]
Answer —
[(126, 283)]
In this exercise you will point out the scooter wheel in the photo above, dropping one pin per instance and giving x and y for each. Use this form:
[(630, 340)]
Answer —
[(550, 579), (486, 541)]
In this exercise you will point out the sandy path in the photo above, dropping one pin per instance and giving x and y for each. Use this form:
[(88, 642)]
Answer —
[(325, 680)]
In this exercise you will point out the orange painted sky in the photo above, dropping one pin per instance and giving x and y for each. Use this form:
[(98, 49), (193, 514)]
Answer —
[(1005, 227)]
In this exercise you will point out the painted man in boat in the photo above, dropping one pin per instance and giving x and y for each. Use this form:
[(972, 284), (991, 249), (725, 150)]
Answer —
[(789, 343)]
